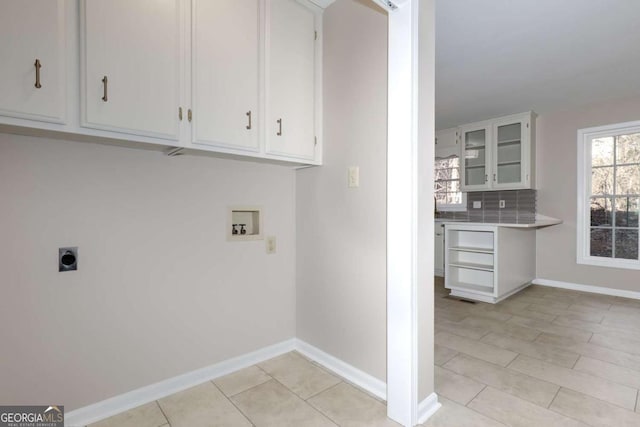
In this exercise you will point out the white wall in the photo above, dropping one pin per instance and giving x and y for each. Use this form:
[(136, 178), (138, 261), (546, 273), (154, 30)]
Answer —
[(426, 154), (159, 291), (556, 175), (341, 232)]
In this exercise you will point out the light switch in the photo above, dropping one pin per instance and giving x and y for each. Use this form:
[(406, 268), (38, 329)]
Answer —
[(271, 244), (477, 204), (354, 177)]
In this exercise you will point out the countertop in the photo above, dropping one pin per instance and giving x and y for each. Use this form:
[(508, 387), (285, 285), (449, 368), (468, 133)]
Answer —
[(541, 221)]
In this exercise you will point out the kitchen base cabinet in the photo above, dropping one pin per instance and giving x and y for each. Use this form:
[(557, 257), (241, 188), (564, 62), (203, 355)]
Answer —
[(488, 263)]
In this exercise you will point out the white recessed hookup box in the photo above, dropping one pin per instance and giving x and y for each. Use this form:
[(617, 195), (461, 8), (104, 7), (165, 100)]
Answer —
[(244, 223)]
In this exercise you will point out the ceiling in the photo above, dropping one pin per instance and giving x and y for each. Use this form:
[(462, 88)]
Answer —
[(499, 57)]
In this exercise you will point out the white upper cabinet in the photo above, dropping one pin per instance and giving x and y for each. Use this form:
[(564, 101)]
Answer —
[(33, 60), (225, 72), (239, 77), (446, 138), (499, 154), (512, 152), (291, 79), (131, 66), (476, 155)]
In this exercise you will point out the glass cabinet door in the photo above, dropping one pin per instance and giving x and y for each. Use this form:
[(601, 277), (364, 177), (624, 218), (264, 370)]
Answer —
[(475, 156), (508, 158)]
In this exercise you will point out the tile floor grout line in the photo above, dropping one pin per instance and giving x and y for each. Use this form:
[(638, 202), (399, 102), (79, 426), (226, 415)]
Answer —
[(233, 403), (162, 410), (509, 369), (323, 413), (554, 397), (322, 391), (474, 397), (250, 388)]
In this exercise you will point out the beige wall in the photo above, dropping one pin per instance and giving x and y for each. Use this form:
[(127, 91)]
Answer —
[(159, 291), (556, 144), (341, 232)]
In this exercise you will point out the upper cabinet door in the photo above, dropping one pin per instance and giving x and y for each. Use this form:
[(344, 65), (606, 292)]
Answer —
[(291, 82), (131, 63), (510, 162), (32, 60), (514, 154), (476, 153), (225, 73)]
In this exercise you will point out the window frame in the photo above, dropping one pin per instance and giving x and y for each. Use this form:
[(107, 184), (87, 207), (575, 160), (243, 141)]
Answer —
[(443, 153), (584, 166)]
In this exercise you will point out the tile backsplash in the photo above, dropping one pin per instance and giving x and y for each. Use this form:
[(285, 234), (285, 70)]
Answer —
[(520, 207)]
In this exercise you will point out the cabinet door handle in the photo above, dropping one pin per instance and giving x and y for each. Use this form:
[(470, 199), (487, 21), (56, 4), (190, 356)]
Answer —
[(486, 178), (249, 116), (38, 65), (180, 113), (105, 82), (279, 127), (494, 177)]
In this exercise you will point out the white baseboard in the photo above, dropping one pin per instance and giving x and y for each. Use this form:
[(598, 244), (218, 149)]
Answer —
[(587, 288), (124, 402), (428, 407), (363, 380), (115, 405)]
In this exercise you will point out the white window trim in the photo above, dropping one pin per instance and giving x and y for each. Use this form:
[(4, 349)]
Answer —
[(456, 207), (444, 152), (585, 136)]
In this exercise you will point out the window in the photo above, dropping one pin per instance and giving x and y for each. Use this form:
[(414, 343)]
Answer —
[(609, 195), (447, 184)]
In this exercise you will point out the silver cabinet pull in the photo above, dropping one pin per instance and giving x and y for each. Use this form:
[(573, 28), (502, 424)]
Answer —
[(486, 178), (249, 116), (494, 177), (189, 115), (38, 66), (279, 127), (180, 113), (105, 82)]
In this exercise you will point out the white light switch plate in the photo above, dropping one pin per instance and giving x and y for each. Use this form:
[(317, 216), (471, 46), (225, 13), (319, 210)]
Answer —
[(477, 204), (271, 244), (354, 177)]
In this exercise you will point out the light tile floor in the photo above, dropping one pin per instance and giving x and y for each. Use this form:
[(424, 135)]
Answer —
[(287, 391), (544, 357)]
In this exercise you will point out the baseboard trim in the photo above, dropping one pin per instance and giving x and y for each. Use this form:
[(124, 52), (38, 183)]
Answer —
[(115, 405), (428, 407), (587, 288), (352, 374)]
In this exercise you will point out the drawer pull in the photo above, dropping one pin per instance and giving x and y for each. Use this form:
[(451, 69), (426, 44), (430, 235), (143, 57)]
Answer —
[(105, 82), (38, 66), (279, 127), (249, 116)]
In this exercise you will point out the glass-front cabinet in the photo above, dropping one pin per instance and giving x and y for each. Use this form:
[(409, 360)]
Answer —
[(476, 148), (498, 153)]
